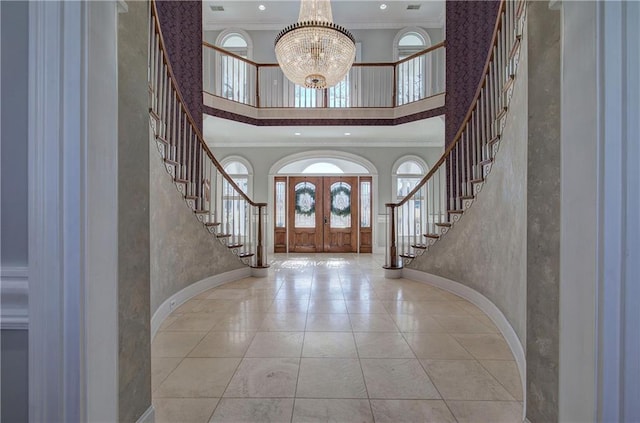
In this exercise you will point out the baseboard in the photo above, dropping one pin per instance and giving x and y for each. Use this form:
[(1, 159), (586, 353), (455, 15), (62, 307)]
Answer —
[(484, 304), (148, 416), (191, 291), (14, 303)]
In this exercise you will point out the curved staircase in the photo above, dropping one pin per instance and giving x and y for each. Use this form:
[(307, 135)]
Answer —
[(430, 211), (216, 200)]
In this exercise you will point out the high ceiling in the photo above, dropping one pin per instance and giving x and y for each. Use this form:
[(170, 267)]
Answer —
[(352, 14)]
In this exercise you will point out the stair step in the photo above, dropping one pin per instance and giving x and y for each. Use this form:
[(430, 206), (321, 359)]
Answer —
[(444, 224), (154, 114), (212, 224), (408, 255), (508, 84), (162, 139), (171, 162), (181, 181), (477, 181), (501, 113), (201, 211), (486, 162), (467, 197), (245, 255), (514, 48), (455, 211), (494, 139), (223, 235), (191, 197), (434, 236), (234, 245), (420, 246)]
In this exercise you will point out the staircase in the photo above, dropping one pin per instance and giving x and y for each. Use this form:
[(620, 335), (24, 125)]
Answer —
[(224, 210), (430, 211)]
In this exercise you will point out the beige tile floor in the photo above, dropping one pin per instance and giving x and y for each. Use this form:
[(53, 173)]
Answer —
[(326, 338)]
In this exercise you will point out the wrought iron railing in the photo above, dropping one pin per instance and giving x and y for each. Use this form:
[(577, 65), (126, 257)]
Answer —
[(430, 209), (375, 85), (215, 198)]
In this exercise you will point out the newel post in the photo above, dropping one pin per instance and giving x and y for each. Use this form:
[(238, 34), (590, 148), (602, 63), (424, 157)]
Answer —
[(393, 249)]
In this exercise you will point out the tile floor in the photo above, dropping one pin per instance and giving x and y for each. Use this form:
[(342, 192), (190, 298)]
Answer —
[(326, 338)]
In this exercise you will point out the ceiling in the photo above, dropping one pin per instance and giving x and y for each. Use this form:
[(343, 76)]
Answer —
[(220, 132), (352, 14)]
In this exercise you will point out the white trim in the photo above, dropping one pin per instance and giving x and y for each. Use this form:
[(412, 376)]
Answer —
[(14, 288), (435, 22), (322, 154), (488, 307), (148, 416), (196, 288), (234, 30), (72, 213), (406, 30)]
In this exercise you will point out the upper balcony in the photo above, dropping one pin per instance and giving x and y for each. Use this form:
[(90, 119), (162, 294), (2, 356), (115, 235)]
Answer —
[(384, 92)]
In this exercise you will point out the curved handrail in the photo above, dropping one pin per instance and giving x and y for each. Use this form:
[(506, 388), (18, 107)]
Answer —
[(467, 117), (194, 127)]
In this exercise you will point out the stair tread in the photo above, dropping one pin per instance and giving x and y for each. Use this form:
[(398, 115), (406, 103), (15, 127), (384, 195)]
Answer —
[(243, 255), (162, 139), (408, 255), (494, 139), (201, 211), (455, 211), (223, 235), (420, 246), (486, 162), (477, 181), (446, 224), (436, 236), (467, 197), (234, 245), (181, 181), (212, 224), (171, 162)]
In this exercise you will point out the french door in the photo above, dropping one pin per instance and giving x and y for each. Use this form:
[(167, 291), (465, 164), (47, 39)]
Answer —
[(322, 214)]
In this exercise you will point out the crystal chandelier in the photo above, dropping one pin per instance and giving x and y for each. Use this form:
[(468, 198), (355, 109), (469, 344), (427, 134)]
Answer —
[(315, 52)]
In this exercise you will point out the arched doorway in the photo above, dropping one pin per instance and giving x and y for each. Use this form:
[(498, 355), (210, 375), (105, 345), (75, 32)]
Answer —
[(323, 202)]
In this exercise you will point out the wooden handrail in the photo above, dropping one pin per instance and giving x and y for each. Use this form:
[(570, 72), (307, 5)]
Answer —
[(183, 105), (441, 44), (465, 121)]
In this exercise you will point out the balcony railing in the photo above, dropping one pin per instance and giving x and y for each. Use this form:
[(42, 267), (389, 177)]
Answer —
[(373, 85)]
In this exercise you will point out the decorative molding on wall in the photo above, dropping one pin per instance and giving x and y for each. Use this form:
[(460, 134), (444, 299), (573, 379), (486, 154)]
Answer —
[(148, 416), (14, 282), (196, 288), (484, 304)]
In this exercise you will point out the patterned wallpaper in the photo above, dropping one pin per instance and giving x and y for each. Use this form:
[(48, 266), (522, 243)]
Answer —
[(469, 29), (181, 24)]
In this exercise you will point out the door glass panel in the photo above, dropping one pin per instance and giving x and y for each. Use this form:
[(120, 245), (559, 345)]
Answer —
[(340, 198), (365, 204), (280, 203), (305, 205)]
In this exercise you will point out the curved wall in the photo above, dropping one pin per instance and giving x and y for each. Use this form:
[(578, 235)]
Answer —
[(182, 250), (487, 248)]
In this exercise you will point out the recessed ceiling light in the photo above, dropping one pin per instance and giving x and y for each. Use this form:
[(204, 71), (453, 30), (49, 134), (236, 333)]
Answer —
[(296, 133), (347, 133), (262, 7), (383, 6)]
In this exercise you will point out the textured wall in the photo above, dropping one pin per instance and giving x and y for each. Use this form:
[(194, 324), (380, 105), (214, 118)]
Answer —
[(543, 210), (134, 320), (182, 250), (469, 29), (486, 250), (181, 24)]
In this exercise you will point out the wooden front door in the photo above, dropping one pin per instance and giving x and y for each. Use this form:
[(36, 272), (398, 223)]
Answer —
[(323, 214)]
